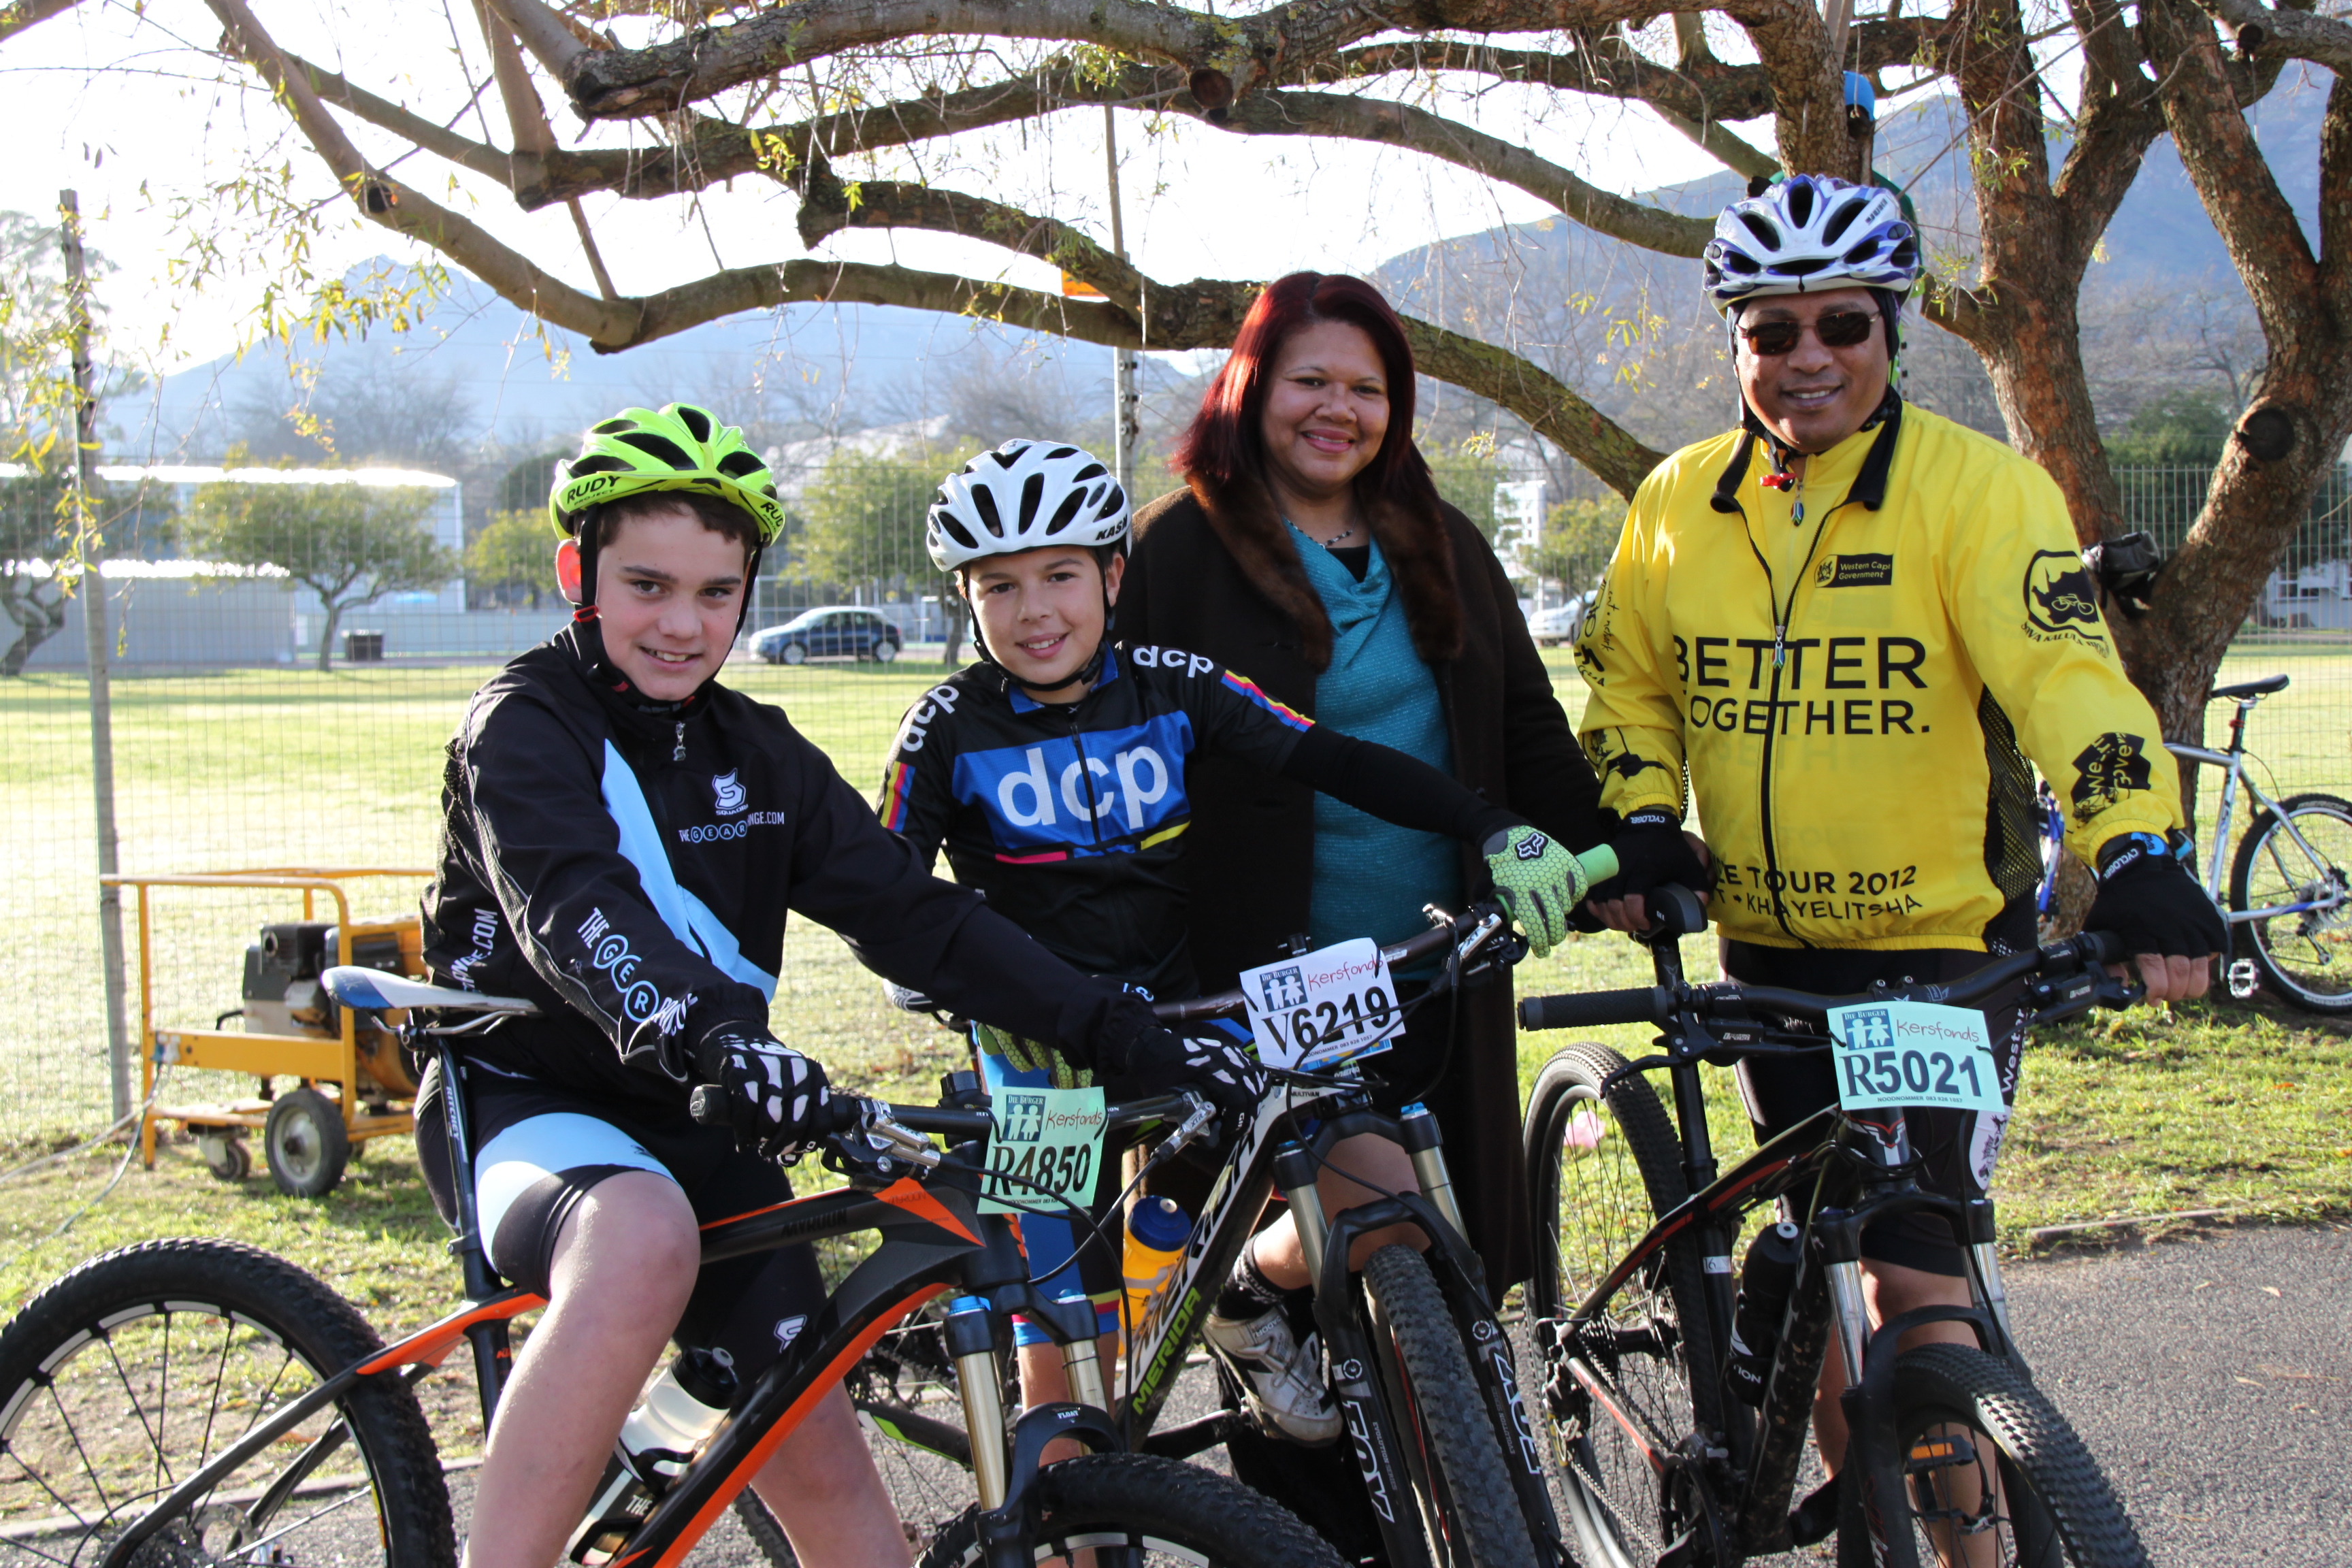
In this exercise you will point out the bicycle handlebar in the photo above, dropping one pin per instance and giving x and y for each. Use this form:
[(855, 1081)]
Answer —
[(1658, 1005), (1468, 927)]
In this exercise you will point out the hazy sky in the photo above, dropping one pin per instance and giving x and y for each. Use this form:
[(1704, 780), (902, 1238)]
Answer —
[(120, 106)]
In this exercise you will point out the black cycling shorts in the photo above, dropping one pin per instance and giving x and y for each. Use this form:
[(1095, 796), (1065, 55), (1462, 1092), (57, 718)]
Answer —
[(540, 1147), (1957, 1148)]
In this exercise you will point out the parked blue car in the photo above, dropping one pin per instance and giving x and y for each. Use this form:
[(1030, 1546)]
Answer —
[(832, 631)]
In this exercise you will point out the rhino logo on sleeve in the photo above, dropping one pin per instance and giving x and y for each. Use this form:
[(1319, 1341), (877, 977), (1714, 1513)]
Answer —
[(2059, 600)]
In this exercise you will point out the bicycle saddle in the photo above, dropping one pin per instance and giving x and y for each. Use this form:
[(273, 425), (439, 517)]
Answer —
[(2263, 687), (372, 990)]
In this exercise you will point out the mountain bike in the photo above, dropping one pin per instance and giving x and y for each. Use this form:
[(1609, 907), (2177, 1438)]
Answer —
[(1954, 1455), (1420, 1364), (186, 1403), (2288, 888)]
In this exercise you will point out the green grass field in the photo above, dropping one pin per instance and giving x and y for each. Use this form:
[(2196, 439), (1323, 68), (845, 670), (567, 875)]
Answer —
[(2218, 1106)]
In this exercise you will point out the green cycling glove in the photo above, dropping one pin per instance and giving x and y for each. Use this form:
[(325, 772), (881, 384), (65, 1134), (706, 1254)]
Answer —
[(1540, 883)]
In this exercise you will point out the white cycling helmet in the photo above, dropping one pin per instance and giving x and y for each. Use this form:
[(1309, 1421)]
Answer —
[(1808, 234), (1025, 495)]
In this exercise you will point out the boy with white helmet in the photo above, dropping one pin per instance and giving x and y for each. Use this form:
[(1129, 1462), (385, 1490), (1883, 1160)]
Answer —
[(1054, 773), (576, 872)]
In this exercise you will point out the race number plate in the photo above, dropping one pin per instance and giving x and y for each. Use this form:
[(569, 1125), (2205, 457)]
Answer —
[(1049, 1137), (1913, 1054), (1329, 1005)]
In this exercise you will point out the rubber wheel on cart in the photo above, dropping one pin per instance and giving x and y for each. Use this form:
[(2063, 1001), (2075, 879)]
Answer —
[(229, 1157), (305, 1144)]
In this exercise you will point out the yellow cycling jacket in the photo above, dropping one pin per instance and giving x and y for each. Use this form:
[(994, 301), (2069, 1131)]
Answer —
[(1849, 669)]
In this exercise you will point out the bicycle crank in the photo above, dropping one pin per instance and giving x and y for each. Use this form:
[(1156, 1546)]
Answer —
[(1687, 1518)]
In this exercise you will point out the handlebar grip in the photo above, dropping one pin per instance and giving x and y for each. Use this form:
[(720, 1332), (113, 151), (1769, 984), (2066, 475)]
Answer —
[(1590, 1009), (2101, 947), (1599, 864), (708, 1106)]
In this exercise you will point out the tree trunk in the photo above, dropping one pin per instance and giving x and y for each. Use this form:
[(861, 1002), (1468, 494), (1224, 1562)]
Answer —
[(952, 615), (37, 620), (334, 613)]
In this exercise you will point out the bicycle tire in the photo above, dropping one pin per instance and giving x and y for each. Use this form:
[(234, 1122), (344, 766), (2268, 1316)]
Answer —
[(1155, 1510), (1602, 1171), (2307, 958), (101, 1418), (2050, 1505), (1469, 1511)]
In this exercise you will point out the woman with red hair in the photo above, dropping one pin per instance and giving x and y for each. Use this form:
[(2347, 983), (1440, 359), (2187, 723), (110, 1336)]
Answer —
[(1310, 550)]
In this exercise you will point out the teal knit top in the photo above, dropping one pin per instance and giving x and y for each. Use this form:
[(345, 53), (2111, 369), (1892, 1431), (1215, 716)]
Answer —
[(1371, 878)]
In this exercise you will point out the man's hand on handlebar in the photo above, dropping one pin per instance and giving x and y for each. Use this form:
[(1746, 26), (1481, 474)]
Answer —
[(2161, 916), (777, 1099), (1139, 1057), (1652, 849)]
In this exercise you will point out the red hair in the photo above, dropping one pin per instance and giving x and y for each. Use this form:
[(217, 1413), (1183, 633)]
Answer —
[(1223, 447)]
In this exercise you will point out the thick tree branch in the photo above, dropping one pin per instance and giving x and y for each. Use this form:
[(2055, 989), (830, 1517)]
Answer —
[(431, 135), (2261, 30), (2335, 201), (404, 210), (23, 13)]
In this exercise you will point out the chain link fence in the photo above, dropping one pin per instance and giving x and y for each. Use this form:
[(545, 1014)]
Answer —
[(288, 653)]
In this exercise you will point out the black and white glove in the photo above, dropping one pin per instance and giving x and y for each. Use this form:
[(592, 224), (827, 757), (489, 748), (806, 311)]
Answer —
[(777, 1101), (2148, 899), (1651, 853), (1143, 1058)]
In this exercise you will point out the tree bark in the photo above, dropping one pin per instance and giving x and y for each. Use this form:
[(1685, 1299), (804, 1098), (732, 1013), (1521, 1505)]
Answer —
[(37, 620)]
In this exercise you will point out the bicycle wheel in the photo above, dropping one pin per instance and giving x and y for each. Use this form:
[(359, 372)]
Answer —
[(1154, 1510), (2306, 956), (1987, 1456), (1469, 1513), (125, 1377), (905, 1392), (1603, 1171)]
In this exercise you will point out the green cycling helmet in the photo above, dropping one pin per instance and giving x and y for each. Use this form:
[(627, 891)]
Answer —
[(675, 448)]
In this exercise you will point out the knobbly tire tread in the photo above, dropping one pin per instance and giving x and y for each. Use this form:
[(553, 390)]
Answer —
[(2242, 871), (306, 1315), (2035, 1443), (1452, 1410), (1189, 1506), (1632, 1106)]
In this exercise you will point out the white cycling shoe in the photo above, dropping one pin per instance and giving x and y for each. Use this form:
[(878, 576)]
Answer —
[(1281, 1379)]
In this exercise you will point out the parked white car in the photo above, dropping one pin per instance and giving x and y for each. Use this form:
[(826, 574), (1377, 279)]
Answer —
[(1559, 623)]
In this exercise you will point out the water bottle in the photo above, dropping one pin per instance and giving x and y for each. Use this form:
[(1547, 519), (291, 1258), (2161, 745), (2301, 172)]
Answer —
[(657, 1443), (1765, 1280), (1157, 1230)]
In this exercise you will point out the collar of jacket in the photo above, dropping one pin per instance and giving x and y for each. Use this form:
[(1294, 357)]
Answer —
[(1869, 483), (633, 712), (1420, 557)]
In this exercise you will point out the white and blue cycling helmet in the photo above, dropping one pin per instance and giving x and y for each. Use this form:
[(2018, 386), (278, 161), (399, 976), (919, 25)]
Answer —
[(1809, 234)]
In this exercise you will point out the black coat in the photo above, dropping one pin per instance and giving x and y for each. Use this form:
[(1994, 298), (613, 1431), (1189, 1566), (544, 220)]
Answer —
[(1224, 580)]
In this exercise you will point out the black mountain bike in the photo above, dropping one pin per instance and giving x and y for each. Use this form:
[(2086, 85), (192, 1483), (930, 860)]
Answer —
[(189, 1403), (1955, 1457), (1420, 1364)]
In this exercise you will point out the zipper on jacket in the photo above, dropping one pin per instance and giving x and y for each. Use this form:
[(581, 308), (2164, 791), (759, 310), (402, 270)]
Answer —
[(678, 749), (1094, 802), (1781, 616)]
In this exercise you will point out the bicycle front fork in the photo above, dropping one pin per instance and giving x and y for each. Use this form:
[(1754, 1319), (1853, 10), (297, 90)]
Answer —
[(972, 1341)]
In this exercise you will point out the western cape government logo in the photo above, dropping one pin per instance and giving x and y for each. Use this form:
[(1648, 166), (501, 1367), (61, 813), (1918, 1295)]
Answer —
[(1854, 572), (2059, 600)]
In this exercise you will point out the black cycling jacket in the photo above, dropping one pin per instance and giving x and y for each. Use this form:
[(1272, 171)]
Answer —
[(628, 864), (1071, 818)]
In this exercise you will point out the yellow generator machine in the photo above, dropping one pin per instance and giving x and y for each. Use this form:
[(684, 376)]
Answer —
[(354, 1084)]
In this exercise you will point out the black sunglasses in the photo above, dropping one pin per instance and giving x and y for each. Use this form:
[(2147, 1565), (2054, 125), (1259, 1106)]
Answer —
[(1837, 329)]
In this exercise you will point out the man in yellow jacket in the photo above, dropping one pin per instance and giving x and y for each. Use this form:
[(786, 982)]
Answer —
[(1852, 622)]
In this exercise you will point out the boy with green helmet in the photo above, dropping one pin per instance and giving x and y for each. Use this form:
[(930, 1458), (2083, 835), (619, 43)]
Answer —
[(622, 837)]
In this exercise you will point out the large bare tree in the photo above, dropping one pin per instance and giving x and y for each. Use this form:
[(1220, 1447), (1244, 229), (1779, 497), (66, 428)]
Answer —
[(846, 109)]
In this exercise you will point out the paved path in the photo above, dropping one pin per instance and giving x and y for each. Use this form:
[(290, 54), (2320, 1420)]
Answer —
[(2213, 1377)]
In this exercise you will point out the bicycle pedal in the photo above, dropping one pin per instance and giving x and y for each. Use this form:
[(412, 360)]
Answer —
[(1942, 1453), (2243, 978)]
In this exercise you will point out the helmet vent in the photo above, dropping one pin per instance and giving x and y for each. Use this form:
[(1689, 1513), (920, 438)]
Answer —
[(659, 447), (945, 521), (1059, 453), (984, 503), (1032, 490), (739, 464), (1761, 228), (1800, 203), (1066, 513), (1840, 220), (697, 423), (599, 464), (1091, 471)]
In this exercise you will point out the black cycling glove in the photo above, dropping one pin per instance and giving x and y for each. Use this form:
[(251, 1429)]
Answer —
[(1145, 1059), (1651, 852), (2150, 901), (776, 1098)]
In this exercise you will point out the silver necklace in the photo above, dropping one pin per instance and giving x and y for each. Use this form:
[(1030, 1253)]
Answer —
[(1332, 543)]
